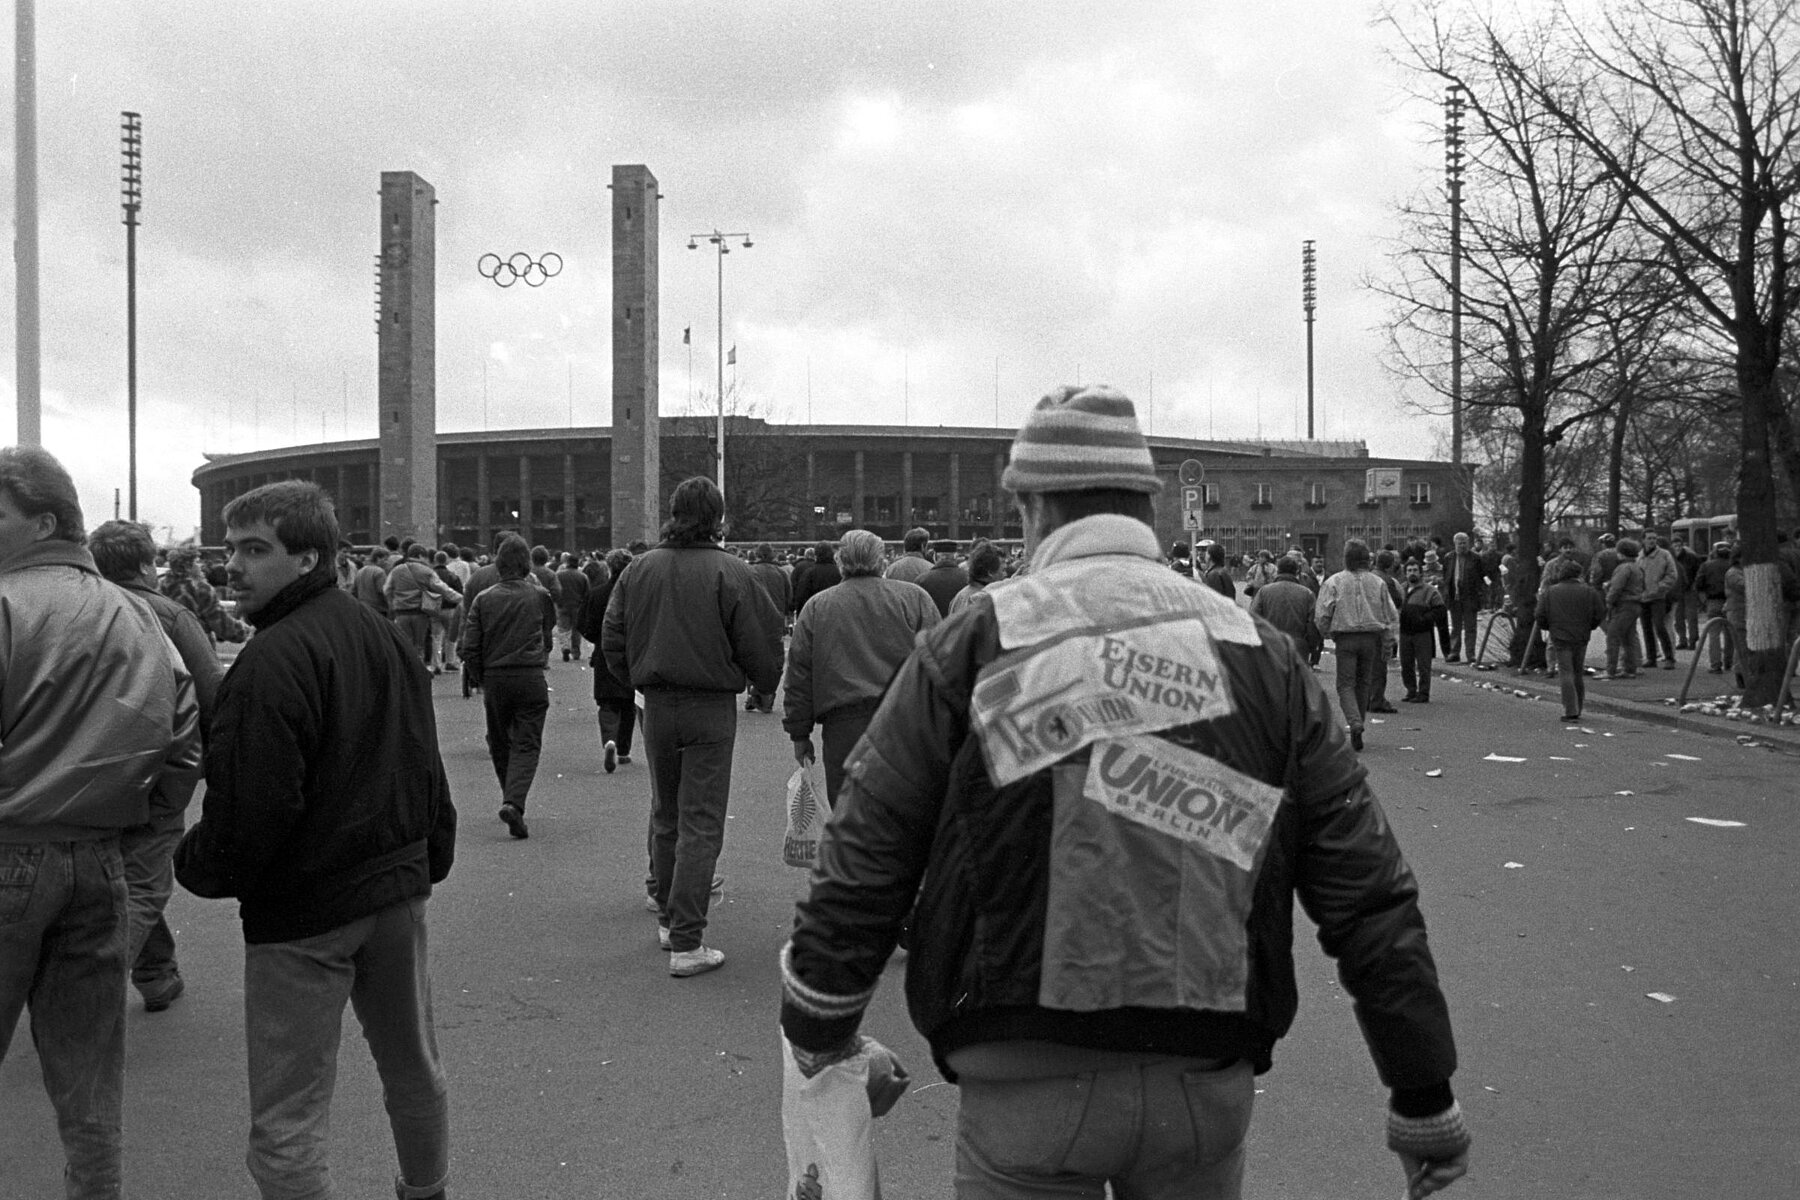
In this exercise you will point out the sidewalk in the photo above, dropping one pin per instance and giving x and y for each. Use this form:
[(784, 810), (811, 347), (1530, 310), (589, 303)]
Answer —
[(1651, 697)]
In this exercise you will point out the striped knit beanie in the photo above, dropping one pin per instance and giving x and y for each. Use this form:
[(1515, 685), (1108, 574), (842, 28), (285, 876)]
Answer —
[(1081, 440)]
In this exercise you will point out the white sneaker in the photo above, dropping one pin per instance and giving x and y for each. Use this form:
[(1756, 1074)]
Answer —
[(610, 758), (698, 961), (662, 936)]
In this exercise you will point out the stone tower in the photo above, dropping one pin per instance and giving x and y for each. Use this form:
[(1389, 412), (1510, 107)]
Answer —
[(637, 504), (408, 359)]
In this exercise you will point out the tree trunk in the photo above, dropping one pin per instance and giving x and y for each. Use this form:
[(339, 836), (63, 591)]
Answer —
[(1532, 451), (1765, 613)]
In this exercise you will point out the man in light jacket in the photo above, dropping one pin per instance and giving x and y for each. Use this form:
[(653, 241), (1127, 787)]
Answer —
[(414, 594), (97, 713), (1662, 588), (1357, 612)]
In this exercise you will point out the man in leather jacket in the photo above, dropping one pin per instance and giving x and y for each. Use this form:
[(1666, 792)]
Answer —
[(1051, 768)]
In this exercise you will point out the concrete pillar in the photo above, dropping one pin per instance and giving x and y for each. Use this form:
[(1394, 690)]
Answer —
[(955, 499), (637, 503), (484, 532), (906, 491), (569, 502), (997, 509), (856, 496), (407, 359), (525, 498), (810, 522)]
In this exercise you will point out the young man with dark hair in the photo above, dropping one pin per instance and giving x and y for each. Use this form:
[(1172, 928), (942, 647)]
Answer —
[(691, 660), (917, 557), (507, 635), (1078, 945), (125, 554), (96, 716), (1216, 574), (331, 861)]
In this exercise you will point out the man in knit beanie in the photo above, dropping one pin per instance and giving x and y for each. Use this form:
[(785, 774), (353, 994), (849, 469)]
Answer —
[(1106, 736)]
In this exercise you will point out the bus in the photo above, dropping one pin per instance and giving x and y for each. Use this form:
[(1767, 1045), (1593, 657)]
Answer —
[(1703, 532)]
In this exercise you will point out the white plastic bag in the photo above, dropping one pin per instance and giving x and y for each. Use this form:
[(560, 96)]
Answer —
[(828, 1127), (805, 817)]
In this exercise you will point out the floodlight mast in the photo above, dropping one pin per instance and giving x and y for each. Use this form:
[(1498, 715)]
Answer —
[(719, 240)]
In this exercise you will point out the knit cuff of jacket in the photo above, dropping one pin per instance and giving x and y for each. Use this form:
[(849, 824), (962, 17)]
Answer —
[(1430, 1138), (816, 1021)]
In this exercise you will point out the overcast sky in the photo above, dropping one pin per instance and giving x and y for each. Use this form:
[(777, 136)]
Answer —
[(955, 206)]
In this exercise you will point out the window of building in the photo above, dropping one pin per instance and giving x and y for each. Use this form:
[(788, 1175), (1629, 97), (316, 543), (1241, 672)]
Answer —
[(1210, 496), (1421, 493), (1265, 495), (1315, 495)]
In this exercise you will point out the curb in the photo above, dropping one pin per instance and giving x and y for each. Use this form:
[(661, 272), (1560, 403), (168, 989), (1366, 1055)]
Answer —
[(1784, 738)]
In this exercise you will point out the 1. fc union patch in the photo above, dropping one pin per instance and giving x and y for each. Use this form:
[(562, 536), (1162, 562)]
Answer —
[(1186, 795), (1038, 706)]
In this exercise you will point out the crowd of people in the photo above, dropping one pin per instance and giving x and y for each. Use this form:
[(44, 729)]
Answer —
[(1101, 736)]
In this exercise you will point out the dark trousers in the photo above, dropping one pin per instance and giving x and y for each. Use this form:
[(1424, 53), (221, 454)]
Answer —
[(1656, 631), (415, 625), (688, 739), (1622, 638), (1571, 672), (617, 719), (516, 700), (1358, 659), (1465, 617), (1687, 618), (1415, 663), (840, 731)]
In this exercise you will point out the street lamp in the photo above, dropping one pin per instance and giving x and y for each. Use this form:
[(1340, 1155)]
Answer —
[(1309, 294), (1455, 107), (719, 240), (131, 188)]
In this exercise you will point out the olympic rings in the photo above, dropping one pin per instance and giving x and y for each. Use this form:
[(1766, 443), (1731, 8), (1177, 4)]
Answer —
[(507, 271)]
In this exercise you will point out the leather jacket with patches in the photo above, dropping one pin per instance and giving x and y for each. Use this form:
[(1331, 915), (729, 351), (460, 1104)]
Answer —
[(1098, 792)]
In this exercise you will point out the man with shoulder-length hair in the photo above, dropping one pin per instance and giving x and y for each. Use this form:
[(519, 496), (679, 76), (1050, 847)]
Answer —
[(327, 816), (96, 715), (1097, 792), (690, 628), (506, 648)]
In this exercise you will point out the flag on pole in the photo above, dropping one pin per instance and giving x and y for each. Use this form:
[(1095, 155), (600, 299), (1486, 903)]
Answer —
[(687, 335), (731, 358)]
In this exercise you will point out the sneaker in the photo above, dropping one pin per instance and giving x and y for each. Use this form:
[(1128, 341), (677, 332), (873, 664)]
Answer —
[(662, 936), (1410, 698), (624, 758), (1668, 664), (1424, 699), (1382, 708), (650, 904), (168, 992), (749, 704), (514, 820), (1356, 742), (610, 758), (698, 961), (1571, 716)]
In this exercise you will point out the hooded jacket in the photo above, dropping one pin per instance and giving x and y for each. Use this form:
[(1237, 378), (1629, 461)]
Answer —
[(1097, 792), (326, 799), (95, 707)]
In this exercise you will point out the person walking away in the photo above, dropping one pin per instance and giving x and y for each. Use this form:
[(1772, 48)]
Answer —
[(1356, 612), (98, 715), (945, 579), (616, 704), (574, 587), (1465, 587), (414, 595), (1624, 604), (985, 567), (125, 554), (331, 860), (1036, 998), (821, 574), (1662, 586), (917, 558), (1217, 576), (1287, 604), (846, 647), (507, 637), (775, 585), (447, 627), (1569, 611), (1386, 564), (369, 585), (688, 626), (1709, 584), (1421, 611)]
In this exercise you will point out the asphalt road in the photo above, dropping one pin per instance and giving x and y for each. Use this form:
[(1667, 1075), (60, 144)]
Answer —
[(1561, 890)]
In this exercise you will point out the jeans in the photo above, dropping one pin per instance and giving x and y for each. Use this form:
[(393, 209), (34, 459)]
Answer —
[(516, 702), (294, 994), (62, 952), (1687, 618), (565, 625), (149, 855), (1358, 659), (1621, 638), (688, 738), (1415, 663), (1162, 1130), (617, 719), (1656, 631), (838, 735), (446, 627), (415, 626), (1571, 673), (1465, 617)]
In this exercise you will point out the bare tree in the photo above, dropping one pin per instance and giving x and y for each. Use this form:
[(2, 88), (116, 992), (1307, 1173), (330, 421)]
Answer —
[(1692, 108), (763, 494), (1550, 276)]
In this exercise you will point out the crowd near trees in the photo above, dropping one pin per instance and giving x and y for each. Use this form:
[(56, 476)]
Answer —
[(1629, 268)]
